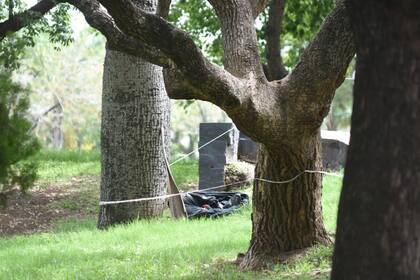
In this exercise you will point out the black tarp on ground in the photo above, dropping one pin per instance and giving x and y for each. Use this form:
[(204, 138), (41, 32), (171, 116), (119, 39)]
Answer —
[(213, 204)]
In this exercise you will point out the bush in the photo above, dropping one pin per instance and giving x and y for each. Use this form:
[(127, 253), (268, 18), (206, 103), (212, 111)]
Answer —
[(16, 142)]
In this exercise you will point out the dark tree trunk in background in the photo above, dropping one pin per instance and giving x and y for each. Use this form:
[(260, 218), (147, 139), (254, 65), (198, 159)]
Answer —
[(135, 107), (378, 234)]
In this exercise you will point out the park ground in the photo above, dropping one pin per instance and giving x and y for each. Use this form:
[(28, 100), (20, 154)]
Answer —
[(50, 233)]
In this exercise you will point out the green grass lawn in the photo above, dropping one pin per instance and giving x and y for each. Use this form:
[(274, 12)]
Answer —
[(157, 249), (63, 165)]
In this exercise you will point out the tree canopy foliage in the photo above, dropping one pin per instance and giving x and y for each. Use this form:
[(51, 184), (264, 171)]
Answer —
[(301, 21)]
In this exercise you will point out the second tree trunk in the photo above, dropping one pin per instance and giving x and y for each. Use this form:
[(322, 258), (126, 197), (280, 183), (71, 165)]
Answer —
[(286, 217)]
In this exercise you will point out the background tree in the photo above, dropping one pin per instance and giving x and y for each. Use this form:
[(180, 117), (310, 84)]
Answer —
[(135, 111), (72, 75), (378, 221), (285, 217), (16, 143)]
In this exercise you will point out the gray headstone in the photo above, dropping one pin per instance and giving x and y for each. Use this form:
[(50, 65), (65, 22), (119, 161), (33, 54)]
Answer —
[(333, 154), (215, 155), (334, 148)]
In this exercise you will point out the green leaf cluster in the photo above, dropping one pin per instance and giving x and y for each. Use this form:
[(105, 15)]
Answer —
[(301, 20), (56, 24), (198, 19)]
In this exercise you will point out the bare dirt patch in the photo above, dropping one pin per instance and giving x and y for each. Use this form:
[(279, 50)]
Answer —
[(42, 207)]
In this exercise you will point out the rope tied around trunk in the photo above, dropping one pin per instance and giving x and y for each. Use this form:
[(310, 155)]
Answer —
[(221, 186)]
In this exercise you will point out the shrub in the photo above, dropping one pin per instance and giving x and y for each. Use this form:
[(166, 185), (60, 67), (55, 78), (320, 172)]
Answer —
[(16, 142)]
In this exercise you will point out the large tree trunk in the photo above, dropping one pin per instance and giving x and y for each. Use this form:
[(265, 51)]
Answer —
[(286, 217), (378, 233), (135, 108)]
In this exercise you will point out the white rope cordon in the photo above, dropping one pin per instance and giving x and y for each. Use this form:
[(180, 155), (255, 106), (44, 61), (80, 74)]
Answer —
[(102, 203), (199, 148)]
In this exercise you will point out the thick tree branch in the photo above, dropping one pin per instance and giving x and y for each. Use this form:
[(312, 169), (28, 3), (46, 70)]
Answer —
[(322, 67), (240, 56), (98, 18), (275, 67), (25, 18)]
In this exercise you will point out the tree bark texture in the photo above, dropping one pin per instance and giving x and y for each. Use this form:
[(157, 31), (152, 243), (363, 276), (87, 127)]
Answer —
[(135, 107), (286, 217), (283, 115), (378, 228)]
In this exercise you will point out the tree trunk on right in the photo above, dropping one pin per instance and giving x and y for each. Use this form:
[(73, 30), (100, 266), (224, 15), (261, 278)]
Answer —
[(378, 234)]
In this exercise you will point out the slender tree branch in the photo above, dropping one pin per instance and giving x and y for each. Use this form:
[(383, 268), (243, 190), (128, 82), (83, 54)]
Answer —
[(11, 5), (25, 18), (275, 67)]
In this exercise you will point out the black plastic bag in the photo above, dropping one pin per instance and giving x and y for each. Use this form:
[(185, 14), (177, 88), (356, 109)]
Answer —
[(213, 204)]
